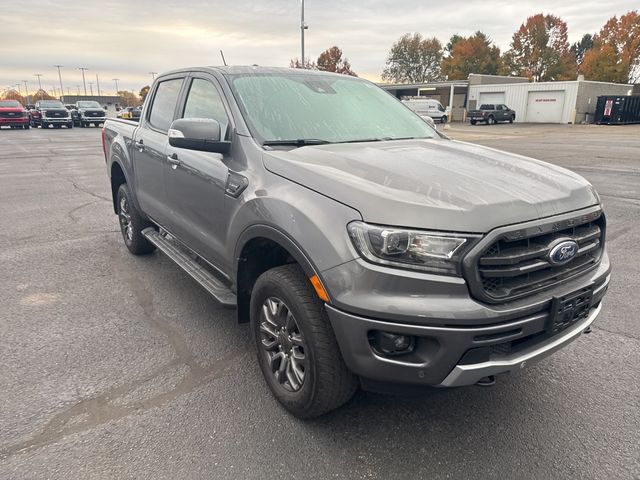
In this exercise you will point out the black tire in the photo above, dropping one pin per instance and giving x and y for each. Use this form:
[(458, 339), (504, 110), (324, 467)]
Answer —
[(491, 120), (128, 215), (327, 383), (473, 122), (26, 127), (70, 125), (443, 119), (43, 125), (512, 118)]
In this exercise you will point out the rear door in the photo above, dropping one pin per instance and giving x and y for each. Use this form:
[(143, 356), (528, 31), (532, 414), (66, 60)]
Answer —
[(150, 145), (196, 181)]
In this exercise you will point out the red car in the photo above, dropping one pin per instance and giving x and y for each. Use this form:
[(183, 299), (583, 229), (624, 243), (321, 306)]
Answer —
[(13, 114)]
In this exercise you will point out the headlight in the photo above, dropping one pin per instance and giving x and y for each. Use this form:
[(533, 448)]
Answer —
[(433, 252)]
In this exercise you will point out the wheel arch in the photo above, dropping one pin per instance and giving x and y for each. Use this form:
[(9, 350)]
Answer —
[(258, 249)]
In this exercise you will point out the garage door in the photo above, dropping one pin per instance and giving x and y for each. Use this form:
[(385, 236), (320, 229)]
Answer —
[(490, 97), (545, 107)]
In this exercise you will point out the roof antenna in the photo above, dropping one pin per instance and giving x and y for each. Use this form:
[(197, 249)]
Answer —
[(223, 60)]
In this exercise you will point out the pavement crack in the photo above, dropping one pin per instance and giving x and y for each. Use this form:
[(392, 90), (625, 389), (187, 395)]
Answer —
[(625, 335), (71, 212)]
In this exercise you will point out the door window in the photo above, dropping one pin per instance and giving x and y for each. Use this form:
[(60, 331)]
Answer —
[(499, 107), (164, 104), (204, 101)]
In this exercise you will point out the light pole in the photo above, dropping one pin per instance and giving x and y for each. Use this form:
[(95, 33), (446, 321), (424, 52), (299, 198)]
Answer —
[(83, 81), (39, 83), (78, 87), (60, 78), (91, 88), (303, 27), (116, 80), (153, 76), (98, 84), (26, 92)]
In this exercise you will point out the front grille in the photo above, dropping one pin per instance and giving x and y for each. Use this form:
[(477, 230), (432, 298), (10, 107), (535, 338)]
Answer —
[(515, 267), (56, 114), (90, 113)]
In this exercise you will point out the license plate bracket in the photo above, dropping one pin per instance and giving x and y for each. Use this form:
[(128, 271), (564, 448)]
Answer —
[(569, 309)]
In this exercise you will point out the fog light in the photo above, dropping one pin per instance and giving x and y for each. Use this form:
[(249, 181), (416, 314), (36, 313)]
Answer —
[(388, 343)]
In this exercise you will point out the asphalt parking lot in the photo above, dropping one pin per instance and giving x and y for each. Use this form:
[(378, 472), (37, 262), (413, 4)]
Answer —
[(116, 366)]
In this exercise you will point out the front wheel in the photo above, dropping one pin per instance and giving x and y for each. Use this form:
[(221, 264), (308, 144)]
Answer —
[(26, 127), (512, 118), (473, 122), (132, 223), (297, 349), (443, 119)]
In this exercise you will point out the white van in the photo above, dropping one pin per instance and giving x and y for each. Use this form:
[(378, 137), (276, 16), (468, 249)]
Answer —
[(427, 107)]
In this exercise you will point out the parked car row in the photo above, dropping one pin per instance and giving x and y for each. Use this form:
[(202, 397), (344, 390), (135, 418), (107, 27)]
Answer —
[(45, 113)]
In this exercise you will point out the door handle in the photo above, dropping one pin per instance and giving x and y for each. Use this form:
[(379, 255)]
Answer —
[(173, 160), (139, 145)]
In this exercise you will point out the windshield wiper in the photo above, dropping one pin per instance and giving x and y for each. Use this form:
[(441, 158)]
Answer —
[(381, 139), (300, 142)]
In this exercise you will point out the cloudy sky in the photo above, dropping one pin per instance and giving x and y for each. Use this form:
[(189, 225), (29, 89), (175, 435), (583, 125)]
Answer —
[(126, 39)]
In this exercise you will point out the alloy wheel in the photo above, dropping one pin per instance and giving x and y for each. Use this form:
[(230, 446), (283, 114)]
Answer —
[(125, 219), (283, 344)]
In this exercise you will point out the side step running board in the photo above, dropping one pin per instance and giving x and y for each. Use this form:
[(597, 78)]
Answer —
[(200, 274)]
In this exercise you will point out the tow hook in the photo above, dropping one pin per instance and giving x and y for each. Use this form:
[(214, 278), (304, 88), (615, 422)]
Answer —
[(489, 381)]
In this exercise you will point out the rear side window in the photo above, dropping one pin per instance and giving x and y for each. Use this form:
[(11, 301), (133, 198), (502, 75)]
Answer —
[(487, 106), (204, 101), (164, 104)]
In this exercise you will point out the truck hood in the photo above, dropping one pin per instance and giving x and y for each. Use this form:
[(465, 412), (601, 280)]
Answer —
[(434, 184)]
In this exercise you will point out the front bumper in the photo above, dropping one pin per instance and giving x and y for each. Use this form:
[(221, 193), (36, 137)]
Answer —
[(91, 119), (13, 121), (55, 120), (451, 356)]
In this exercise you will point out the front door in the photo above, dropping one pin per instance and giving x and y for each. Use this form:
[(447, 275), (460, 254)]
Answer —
[(149, 150), (195, 181)]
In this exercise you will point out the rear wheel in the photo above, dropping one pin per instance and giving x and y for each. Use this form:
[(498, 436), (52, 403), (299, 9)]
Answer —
[(491, 120), (297, 349), (132, 223)]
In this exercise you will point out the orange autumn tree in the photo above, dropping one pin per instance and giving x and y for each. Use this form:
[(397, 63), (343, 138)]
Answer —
[(474, 54), (540, 50), (615, 56)]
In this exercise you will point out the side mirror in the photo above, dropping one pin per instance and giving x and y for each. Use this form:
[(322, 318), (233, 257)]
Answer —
[(202, 134)]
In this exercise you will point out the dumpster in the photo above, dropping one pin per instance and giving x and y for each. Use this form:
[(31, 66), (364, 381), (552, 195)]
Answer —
[(617, 110)]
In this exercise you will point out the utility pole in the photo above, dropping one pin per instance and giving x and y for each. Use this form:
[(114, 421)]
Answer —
[(26, 92), (39, 83), (60, 78), (98, 84), (83, 81), (91, 88), (153, 76), (303, 27), (116, 80), (78, 87)]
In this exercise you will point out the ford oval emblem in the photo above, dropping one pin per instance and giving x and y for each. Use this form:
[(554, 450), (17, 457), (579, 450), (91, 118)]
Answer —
[(563, 252)]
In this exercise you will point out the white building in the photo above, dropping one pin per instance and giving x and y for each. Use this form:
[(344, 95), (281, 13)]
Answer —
[(547, 102)]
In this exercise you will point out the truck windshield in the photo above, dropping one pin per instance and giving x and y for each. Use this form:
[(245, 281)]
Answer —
[(324, 108), (89, 105), (10, 104), (51, 104)]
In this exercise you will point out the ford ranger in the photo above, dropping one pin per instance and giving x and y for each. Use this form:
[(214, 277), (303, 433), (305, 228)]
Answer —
[(363, 248)]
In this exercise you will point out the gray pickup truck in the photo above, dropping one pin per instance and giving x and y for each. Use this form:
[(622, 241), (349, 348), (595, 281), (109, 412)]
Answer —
[(491, 114), (363, 248)]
